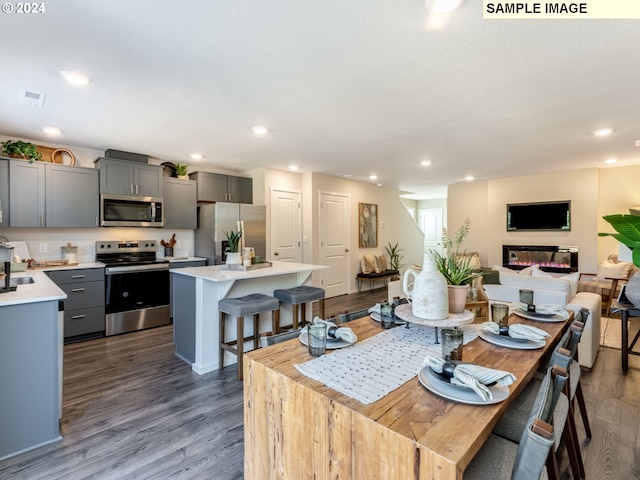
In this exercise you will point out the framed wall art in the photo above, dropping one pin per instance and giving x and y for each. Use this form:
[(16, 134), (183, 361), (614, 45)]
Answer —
[(368, 225)]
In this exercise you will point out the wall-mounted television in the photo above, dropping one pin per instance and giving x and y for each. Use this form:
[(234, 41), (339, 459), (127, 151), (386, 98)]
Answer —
[(550, 216)]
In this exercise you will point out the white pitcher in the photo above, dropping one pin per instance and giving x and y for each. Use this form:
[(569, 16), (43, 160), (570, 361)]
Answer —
[(428, 295)]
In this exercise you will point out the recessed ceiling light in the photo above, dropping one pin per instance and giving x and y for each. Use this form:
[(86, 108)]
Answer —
[(603, 132), (293, 167), (468, 178), (373, 177), (76, 78), (425, 163), (611, 160), (260, 130), (196, 156), (379, 184), (345, 175), (51, 130), (444, 6)]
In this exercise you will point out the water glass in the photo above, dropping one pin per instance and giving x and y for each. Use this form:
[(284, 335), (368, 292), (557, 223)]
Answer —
[(386, 316), (500, 313), (317, 338), (526, 296), (452, 342)]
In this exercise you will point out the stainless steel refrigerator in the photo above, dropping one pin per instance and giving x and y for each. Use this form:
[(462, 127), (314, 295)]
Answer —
[(216, 218)]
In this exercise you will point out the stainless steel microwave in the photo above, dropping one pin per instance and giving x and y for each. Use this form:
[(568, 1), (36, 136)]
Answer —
[(130, 211)]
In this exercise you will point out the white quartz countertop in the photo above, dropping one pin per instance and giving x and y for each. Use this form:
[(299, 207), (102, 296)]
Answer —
[(41, 290), (184, 259), (220, 273), (69, 267)]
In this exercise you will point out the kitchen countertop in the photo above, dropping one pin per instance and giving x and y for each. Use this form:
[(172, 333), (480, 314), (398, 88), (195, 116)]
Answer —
[(184, 259), (42, 289), (67, 267), (219, 273)]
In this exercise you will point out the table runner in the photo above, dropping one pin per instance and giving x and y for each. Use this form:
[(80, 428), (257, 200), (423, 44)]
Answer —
[(369, 370)]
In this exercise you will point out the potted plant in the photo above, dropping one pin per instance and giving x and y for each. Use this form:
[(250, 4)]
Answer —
[(456, 268), (20, 149), (395, 258), (181, 170), (233, 239), (628, 228)]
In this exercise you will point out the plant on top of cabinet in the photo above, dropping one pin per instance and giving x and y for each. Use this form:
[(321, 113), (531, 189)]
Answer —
[(181, 170), (20, 149)]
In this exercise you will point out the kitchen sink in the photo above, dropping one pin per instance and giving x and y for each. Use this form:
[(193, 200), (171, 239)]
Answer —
[(20, 281)]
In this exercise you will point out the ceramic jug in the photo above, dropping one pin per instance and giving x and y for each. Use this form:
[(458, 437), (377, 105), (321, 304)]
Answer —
[(428, 295)]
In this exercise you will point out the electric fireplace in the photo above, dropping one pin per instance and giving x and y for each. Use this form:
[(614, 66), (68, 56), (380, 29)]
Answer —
[(558, 259)]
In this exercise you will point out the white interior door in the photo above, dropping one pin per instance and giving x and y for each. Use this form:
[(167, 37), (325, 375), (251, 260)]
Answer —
[(334, 243), (430, 221), (285, 226)]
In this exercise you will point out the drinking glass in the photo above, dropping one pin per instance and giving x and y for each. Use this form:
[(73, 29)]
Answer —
[(499, 313), (526, 296), (386, 316), (452, 342), (317, 338)]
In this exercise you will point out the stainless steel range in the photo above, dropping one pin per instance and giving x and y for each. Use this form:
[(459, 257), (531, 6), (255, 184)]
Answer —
[(136, 285)]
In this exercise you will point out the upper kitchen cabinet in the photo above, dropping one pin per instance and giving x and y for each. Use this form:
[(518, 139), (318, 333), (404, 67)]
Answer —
[(52, 195), (71, 196), (26, 194), (215, 187), (4, 192), (180, 204), (129, 178)]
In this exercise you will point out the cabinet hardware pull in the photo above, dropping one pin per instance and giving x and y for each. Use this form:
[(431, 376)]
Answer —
[(76, 317), (77, 276), (77, 289)]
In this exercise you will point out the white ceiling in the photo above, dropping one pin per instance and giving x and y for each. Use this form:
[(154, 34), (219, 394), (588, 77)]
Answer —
[(355, 87)]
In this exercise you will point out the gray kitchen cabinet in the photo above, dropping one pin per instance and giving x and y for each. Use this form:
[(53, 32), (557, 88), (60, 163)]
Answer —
[(129, 178), (71, 196), (185, 264), (180, 203), (84, 310), (4, 192), (215, 187), (26, 194)]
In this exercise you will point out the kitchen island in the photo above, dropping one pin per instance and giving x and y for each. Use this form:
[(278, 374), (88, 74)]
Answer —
[(30, 363), (196, 292)]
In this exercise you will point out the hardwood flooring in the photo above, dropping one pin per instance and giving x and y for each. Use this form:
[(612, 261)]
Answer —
[(133, 410)]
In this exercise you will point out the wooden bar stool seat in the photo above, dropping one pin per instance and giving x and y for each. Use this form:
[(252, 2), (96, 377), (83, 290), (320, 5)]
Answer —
[(241, 307), (301, 296)]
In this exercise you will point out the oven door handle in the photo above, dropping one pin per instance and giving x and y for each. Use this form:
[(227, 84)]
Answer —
[(136, 268)]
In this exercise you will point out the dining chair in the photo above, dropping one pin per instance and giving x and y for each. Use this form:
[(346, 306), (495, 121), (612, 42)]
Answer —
[(513, 422), (348, 316), (268, 340), (532, 457)]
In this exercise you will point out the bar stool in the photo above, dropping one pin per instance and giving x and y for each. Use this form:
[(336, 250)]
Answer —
[(300, 296), (242, 307)]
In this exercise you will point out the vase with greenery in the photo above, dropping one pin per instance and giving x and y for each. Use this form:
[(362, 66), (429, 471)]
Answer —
[(181, 170), (395, 257), (628, 233), (20, 149), (455, 266), (233, 239)]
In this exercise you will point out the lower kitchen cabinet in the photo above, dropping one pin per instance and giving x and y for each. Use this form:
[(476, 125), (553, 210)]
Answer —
[(185, 264), (84, 311)]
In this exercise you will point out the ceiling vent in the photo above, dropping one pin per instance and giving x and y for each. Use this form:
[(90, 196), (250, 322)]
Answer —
[(31, 98)]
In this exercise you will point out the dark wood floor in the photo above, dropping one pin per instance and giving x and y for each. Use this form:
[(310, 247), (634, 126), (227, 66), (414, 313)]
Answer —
[(132, 410)]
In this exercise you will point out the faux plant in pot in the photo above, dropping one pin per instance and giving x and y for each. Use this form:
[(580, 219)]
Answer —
[(628, 228), (181, 170), (233, 238), (395, 258), (456, 268), (19, 149)]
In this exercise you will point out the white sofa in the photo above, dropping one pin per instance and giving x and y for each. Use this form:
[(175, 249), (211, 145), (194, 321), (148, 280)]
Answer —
[(556, 291)]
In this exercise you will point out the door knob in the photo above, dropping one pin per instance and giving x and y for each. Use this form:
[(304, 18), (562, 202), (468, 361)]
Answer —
[(276, 253)]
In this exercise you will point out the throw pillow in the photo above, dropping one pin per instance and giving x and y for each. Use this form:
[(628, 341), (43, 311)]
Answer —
[(473, 258), (381, 263), (572, 278), (368, 263), (612, 270), (524, 271)]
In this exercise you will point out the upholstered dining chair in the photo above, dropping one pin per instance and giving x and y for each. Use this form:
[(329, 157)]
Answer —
[(349, 316), (532, 458)]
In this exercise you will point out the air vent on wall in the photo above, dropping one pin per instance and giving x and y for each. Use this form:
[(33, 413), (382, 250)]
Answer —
[(31, 98)]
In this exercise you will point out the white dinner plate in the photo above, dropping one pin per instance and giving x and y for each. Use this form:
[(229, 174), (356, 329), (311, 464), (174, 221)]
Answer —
[(376, 316), (331, 343), (463, 395), (505, 341), (560, 317)]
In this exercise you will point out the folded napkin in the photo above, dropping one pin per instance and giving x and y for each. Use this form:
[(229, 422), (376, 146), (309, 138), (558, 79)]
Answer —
[(475, 377), (518, 330), (343, 333), (543, 308)]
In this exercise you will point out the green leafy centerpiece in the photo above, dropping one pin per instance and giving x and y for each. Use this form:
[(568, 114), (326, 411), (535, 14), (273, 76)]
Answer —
[(233, 239)]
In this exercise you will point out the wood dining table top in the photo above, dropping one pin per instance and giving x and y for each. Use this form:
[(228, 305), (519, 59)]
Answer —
[(448, 431)]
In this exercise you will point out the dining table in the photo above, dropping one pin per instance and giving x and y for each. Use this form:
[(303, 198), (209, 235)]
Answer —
[(298, 428)]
